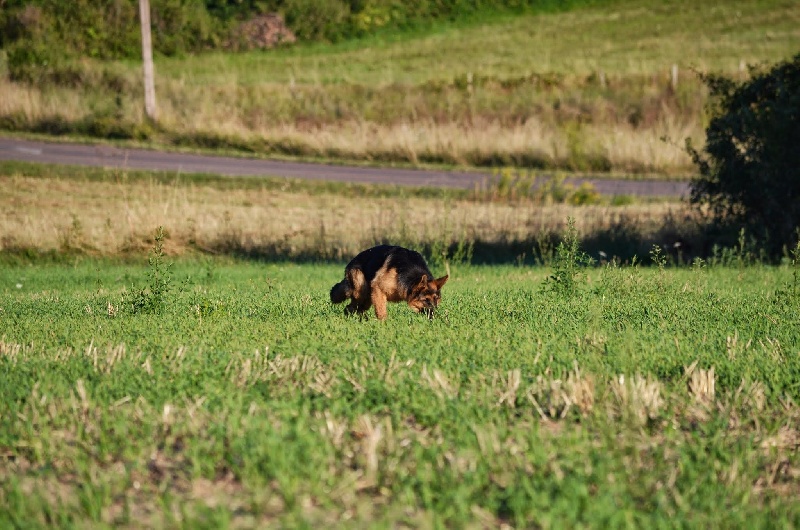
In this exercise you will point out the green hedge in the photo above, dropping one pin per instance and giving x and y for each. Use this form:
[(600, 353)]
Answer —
[(37, 35)]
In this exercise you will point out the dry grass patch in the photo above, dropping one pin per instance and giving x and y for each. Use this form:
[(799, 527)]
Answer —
[(113, 218)]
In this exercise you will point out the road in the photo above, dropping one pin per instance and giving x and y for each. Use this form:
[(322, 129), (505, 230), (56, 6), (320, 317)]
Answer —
[(100, 155)]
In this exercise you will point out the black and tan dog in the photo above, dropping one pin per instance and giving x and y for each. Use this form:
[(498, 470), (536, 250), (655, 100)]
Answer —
[(388, 274)]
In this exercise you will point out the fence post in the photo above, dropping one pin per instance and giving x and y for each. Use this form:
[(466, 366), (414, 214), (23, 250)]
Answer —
[(147, 57), (674, 77)]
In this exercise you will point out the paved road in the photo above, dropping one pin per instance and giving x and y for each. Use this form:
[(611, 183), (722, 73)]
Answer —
[(114, 157)]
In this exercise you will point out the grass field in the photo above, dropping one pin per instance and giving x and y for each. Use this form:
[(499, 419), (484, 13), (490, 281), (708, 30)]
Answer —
[(588, 90), (169, 356), (199, 389), (218, 393)]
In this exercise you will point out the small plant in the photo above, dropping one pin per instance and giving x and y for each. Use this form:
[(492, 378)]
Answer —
[(554, 190), (660, 260), (586, 193), (543, 249), (791, 291), (209, 271), (569, 259), (443, 253), (796, 269), (151, 299), (744, 253), (448, 248), (508, 184), (73, 236), (658, 257)]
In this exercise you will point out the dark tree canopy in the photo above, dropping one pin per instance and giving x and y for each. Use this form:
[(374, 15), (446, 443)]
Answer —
[(750, 164)]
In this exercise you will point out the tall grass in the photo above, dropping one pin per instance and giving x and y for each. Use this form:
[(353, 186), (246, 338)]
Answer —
[(115, 215)]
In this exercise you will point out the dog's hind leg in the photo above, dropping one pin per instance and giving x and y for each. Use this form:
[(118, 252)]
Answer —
[(360, 292)]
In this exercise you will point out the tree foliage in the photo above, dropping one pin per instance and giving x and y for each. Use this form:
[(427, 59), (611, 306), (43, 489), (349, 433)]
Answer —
[(750, 164)]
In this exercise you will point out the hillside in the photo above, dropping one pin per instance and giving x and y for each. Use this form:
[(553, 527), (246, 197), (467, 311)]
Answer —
[(606, 88)]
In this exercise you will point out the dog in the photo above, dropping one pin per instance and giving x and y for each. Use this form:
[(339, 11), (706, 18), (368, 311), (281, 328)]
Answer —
[(387, 273)]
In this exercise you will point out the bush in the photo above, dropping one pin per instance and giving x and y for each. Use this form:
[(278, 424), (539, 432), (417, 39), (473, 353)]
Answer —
[(109, 29), (105, 30), (750, 165), (313, 20)]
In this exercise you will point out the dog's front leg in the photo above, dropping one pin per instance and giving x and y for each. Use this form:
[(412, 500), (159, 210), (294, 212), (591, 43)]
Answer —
[(379, 301)]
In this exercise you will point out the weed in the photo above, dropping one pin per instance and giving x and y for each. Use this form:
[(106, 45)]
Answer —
[(544, 248), (796, 269), (153, 297), (448, 248), (790, 292), (584, 194), (744, 253), (658, 257), (568, 262), (209, 270)]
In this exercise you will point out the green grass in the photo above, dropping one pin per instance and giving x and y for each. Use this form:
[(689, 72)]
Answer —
[(640, 37), (247, 399), (83, 174)]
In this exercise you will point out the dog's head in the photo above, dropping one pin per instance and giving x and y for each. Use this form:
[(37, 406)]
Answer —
[(425, 296)]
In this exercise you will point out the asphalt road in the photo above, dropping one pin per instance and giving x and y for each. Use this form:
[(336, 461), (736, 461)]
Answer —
[(113, 157)]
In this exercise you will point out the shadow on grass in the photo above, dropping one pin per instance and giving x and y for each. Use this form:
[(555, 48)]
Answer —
[(681, 241)]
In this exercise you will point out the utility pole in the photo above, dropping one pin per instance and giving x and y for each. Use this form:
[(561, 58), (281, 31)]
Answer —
[(147, 56)]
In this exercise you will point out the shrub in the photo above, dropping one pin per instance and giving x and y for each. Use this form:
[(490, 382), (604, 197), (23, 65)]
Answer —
[(153, 298), (750, 165), (568, 262), (317, 19)]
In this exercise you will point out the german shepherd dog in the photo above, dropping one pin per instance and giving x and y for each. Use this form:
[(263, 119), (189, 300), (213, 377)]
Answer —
[(388, 274)]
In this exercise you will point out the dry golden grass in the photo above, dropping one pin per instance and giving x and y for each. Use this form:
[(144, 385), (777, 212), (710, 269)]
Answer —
[(110, 218), (460, 140)]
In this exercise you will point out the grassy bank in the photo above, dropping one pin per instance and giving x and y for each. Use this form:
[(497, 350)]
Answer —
[(586, 90), (659, 397), (52, 212)]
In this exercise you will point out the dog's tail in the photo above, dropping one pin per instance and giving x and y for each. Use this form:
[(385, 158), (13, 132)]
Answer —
[(340, 292)]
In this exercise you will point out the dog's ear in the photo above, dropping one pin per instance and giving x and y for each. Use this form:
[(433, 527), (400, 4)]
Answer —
[(421, 285), (441, 281)]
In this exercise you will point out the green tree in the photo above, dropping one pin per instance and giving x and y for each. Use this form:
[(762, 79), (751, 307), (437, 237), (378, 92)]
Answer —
[(750, 165)]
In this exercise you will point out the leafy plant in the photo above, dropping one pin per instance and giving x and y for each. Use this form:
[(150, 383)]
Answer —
[(658, 257), (568, 262), (152, 298)]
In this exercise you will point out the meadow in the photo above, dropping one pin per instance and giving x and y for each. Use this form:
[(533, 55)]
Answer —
[(169, 356), (606, 89), (232, 394)]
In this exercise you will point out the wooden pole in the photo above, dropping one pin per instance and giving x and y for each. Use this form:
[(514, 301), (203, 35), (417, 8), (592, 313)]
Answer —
[(147, 56), (674, 77)]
